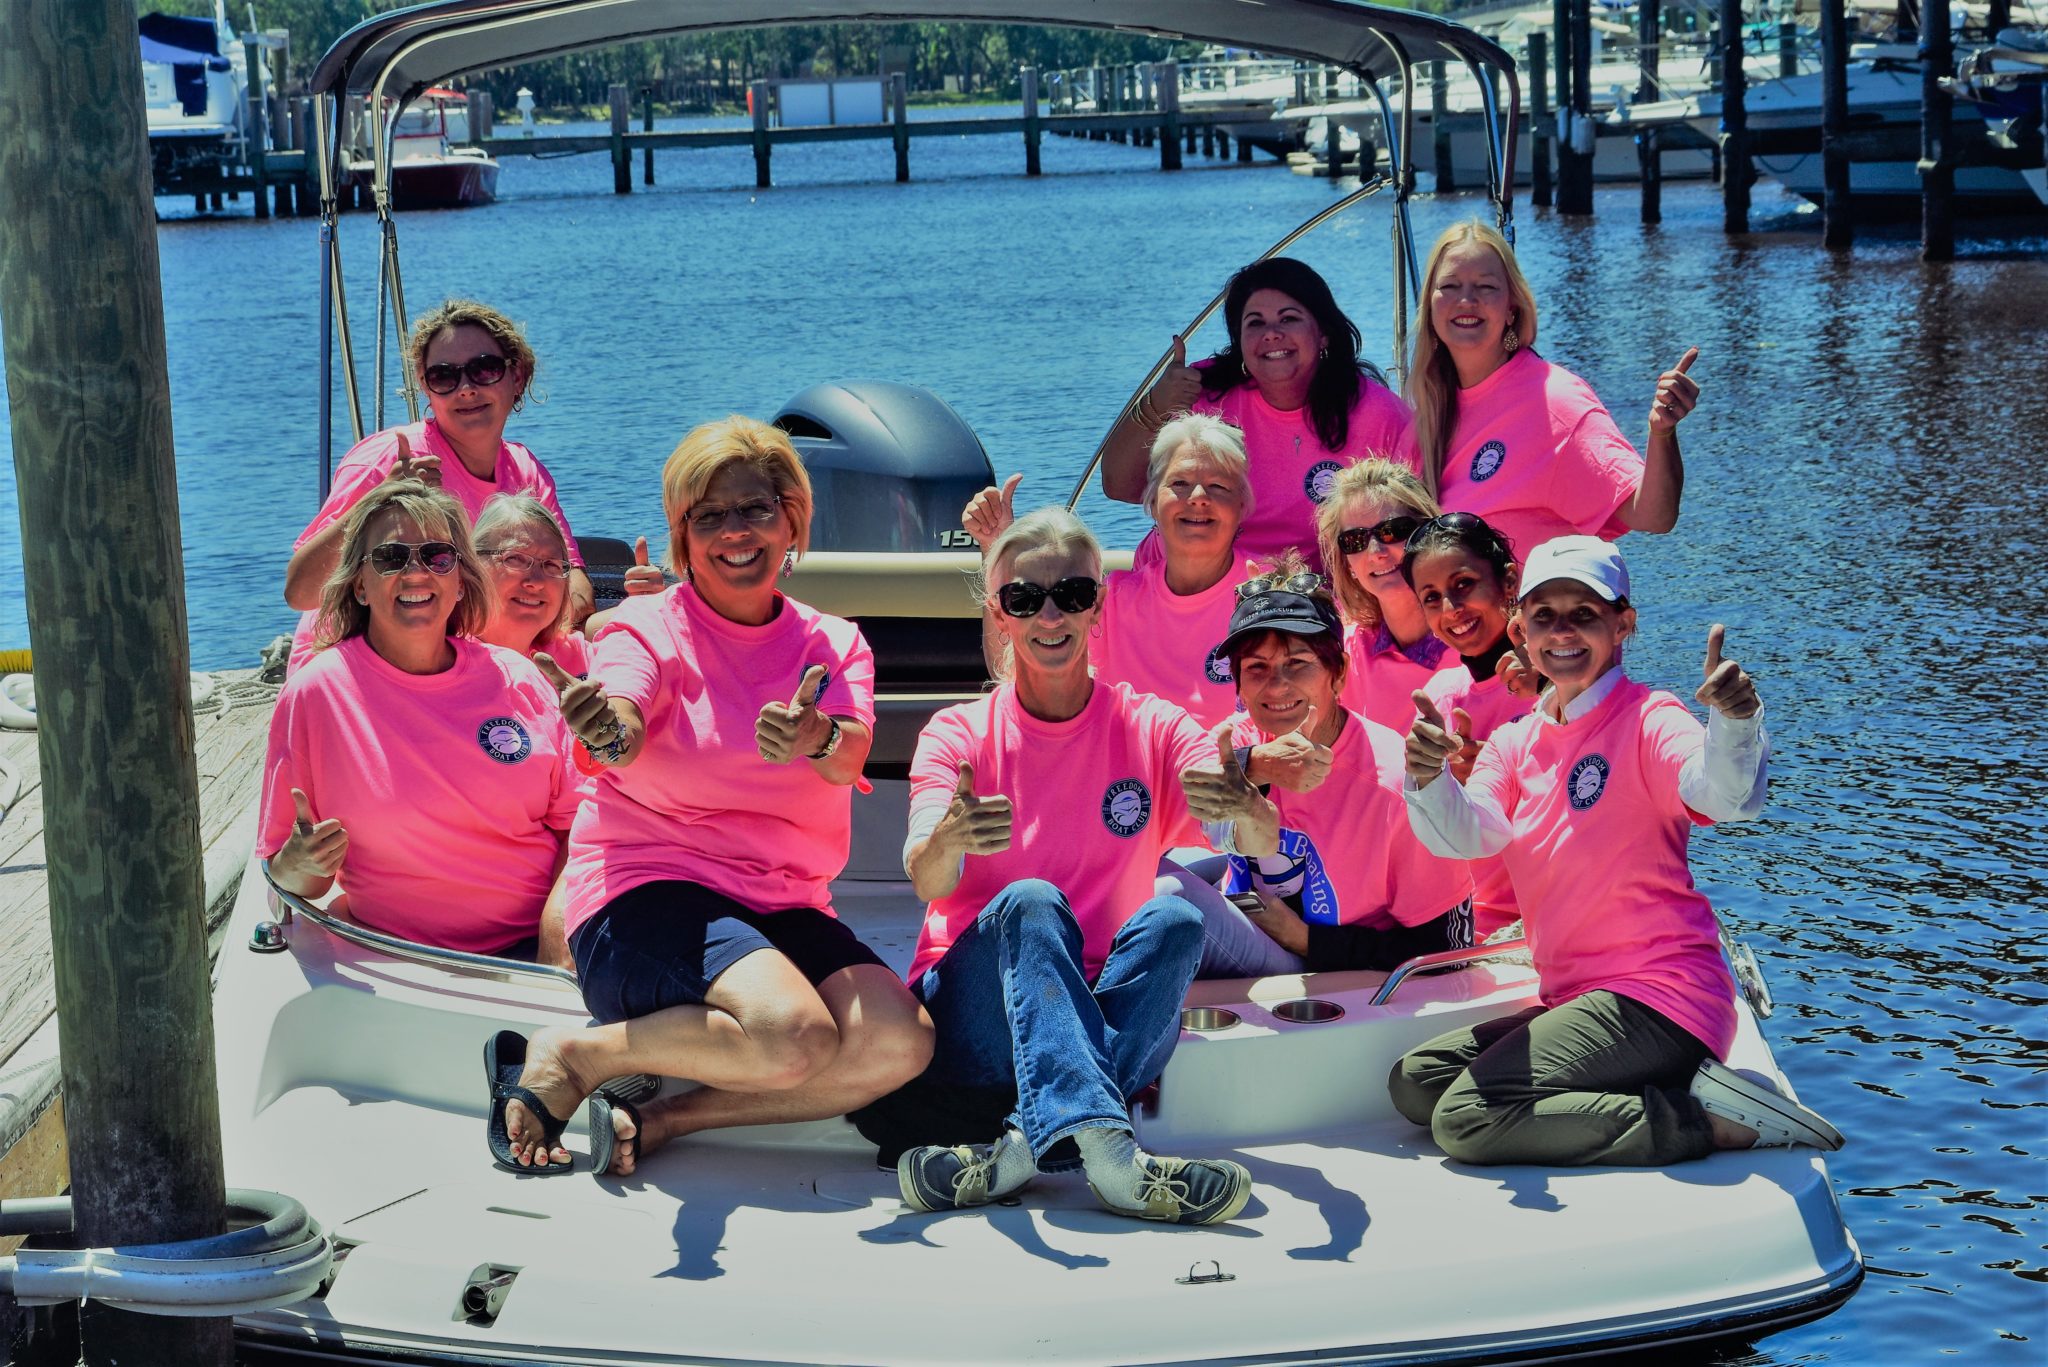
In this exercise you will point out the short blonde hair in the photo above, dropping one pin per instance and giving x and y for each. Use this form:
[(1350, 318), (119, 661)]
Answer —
[(1432, 378), (1372, 478), (439, 517), (1052, 527), (504, 514), (702, 455), (454, 313), (1207, 433)]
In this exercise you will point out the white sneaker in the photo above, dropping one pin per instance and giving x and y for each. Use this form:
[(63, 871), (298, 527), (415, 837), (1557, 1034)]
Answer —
[(1748, 1099)]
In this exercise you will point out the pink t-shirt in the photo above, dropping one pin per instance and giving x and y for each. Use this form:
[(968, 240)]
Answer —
[(1599, 857), (570, 651), (1491, 706), (1096, 801), (700, 804), (1383, 676), (1538, 456), (1162, 643), (454, 788), (369, 463), (1365, 865)]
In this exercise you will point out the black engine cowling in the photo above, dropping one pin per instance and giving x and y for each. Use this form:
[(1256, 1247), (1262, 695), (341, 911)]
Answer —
[(891, 466)]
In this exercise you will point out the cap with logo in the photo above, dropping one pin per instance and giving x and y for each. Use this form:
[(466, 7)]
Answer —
[(1280, 610), (1582, 559)]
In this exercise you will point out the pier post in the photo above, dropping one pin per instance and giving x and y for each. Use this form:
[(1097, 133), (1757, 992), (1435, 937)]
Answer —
[(1098, 94), (757, 101), (1539, 119), (1649, 142), (1167, 83), (1838, 225), (1574, 167), (306, 195), (1440, 126), (257, 153), (647, 126), (1208, 140), (1027, 79), (1937, 151), (483, 116), (103, 577), (899, 114), (1735, 170), (1788, 49), (1146, 80), (622, 160)]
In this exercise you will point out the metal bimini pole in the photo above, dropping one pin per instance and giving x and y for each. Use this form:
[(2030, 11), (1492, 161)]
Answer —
[(390, 288), (1500, 147), (1401, 157), (334, 294)]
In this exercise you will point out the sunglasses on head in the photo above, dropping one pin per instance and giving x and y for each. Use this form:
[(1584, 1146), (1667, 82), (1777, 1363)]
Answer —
[(1457, 524), (445, 377), (436, 557), (1023, 599), (1275, 583), (1390, 531)]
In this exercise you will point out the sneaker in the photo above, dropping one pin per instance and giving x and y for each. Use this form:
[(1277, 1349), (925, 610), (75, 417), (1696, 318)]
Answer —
[(1749, 1099), (937, 1178), (1188, 1191)]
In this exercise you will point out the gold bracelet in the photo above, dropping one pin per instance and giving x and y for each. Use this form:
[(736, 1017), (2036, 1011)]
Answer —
[(1147, 417)]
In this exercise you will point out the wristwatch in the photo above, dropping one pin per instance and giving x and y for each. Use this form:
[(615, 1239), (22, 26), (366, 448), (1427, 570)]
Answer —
[(831, 740)]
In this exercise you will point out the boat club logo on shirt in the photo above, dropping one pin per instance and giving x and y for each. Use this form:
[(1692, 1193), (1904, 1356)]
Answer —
[(504, 740), (1486, 464), (1126, 807), (1216, 668), (1588, 780), (1321, 478)]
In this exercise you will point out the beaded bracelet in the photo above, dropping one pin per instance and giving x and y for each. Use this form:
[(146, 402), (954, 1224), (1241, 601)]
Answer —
[(612, 750)]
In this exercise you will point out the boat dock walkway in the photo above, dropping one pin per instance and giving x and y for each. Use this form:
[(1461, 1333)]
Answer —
[(231, 727)]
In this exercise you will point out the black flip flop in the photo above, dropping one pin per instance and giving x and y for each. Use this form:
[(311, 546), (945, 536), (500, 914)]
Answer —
[(504, 1060), (603, 1144)]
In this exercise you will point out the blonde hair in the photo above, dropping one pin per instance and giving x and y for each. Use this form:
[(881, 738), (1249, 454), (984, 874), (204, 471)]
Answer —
[(1053, 527), (454, 313), (1432, 378), (439, 518), (705, 453), (1373, 478), (504, 514), (1209, 434)]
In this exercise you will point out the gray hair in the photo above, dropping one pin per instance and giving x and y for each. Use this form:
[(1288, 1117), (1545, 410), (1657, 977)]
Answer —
[(504, 514), (1208, 434)]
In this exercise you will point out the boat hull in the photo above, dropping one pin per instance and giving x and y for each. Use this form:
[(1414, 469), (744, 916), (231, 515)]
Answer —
[(442, 183)]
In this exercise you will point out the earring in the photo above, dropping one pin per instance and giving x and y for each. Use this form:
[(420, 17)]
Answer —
[(1324, 354), (788, 563), (1509, 341), (362, 598)]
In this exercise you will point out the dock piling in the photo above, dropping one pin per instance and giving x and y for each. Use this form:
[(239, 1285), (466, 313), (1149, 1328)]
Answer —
[(757, 104), (899, 108), (647, 126), (1027, 80), (482, 115), (1540, 139), (1736, 174), (258, 147), (1838, 226), (1788, 49), (1440, 126), (1574, 80), (1167, 83), (622, 160), (1937, 151), (1649, 145)]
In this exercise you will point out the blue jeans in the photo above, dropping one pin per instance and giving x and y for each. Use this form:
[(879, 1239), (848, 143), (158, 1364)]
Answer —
[(1013, 1007), (1232, 947)]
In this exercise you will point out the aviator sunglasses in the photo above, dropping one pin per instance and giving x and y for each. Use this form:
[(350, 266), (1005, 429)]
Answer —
[(1391, 531), (1275, 583), (436, 557), (1023, 599), (483, 371)]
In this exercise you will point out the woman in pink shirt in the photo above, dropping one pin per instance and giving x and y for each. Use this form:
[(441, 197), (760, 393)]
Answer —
[(732, 722), (1363, 530), (423, 770), (1052, 968), (526, 559), (1590, 800), (1501, 432), (1291, 379), (476, 367), (1157, 622)]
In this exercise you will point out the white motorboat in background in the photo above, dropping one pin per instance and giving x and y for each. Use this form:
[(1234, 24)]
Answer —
[(430, 166), (194, 82)]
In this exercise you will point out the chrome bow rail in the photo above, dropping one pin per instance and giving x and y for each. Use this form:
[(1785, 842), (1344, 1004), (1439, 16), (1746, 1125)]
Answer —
[(1448, 958)]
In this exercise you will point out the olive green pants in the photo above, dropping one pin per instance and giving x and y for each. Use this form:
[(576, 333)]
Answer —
[(1600, 1079)]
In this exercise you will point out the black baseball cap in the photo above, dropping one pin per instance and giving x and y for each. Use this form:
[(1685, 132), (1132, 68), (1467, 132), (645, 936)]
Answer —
[(1279, 610)]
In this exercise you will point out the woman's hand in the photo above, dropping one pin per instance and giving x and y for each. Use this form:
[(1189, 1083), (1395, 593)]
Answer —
[(1431, 743), (424, 467), (1467, 753), (313, 854), (1279, 922), (1175, 391), (587, 711), (989, 512), (973, 825), (1728, 688), (1677, 393), (1223, 793), (796, 729), (642, 577), (1518, 673), (1293, 761)]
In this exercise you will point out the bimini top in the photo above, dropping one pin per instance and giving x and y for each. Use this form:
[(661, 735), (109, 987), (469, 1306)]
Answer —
[(395, 53)]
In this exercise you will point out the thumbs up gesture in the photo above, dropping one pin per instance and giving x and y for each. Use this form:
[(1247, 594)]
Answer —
[(1222, 792), (990, 511), (425, 467), (1432, 742), (1295, 761), (786, 730), (313, 853), (1176, 389), (974, 825), (1727, 689), (1677, 392), (586, 709), (1518, 673), (642, 577)]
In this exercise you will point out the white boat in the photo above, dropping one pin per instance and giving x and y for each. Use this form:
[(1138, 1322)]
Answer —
[(350, 1078), (194, 91), (430, 166)]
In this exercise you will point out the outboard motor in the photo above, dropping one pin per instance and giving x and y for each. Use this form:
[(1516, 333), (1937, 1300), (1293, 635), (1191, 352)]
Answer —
[(892, 467)]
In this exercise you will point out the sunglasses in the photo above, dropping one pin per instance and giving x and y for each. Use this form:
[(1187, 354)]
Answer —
[(1275, 583), (1457, 524), (1023, 599), (482, 371), (524, 565), (709, 520), (436, 557), (1392, 531)]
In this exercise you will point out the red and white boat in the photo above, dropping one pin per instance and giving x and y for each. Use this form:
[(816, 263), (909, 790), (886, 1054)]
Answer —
[(430, 168)]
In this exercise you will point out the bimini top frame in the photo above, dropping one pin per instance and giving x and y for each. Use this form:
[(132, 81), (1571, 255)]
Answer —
[(388, 60)]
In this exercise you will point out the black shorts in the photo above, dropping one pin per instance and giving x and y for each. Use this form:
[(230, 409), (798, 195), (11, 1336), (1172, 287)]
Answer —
[(663, 944)]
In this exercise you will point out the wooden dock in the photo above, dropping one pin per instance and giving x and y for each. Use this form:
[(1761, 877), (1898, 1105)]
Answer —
[(230, 732)]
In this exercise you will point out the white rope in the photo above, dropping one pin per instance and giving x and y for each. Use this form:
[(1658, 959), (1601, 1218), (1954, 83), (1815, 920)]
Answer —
[(213, 695)]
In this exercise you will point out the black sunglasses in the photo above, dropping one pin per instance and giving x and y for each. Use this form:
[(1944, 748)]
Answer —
[(436, 557), (1023, 599), (1457, 524), (1391, 531), (482, 371)]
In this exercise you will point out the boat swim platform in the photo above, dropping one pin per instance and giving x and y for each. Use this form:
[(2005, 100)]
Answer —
[(351, 1080), (231, 727)]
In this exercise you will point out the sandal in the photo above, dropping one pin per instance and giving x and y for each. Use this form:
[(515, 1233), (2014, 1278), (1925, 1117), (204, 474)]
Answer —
[(504, 1061), (603, 1144)]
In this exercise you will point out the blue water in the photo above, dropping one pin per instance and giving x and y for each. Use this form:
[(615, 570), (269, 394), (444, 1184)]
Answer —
[(1861, 512)]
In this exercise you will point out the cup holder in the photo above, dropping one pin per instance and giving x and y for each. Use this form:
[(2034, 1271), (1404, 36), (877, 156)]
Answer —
[(1307, 1011), (1204, 1020)]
